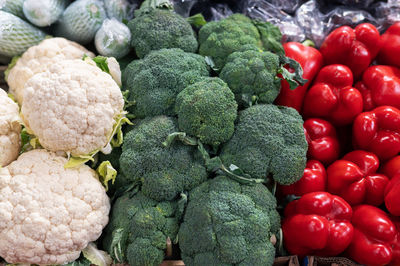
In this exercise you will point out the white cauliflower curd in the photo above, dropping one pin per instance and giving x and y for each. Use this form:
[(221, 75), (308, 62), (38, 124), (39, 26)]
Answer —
[(72, 107), (48, 214), (38, 58), (10, 129)]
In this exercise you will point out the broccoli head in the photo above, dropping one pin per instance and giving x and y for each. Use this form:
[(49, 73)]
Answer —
[(164, 172), (251, 72), (268, 141), (218, 39), (207, 110), (159, 28), (138, 229), (155, 81), (228, 223)]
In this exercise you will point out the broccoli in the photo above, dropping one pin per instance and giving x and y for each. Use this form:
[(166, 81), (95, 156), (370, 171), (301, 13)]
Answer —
[(207, 110), (251, 72), (227, 223), (138, 229), (164, 172), (154, 28), (218, 39), (155, 81), (268, 140)]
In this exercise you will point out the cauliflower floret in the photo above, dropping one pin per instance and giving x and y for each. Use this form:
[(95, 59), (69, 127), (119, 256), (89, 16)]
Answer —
[(38, 58), (48, 214), (72, 107), (10, 129)]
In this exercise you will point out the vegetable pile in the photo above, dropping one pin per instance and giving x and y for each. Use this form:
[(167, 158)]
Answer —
[(215, 144)]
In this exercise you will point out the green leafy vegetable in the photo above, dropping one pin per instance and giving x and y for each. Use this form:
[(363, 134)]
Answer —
[(107, 173), (197, 20), (96, 256)]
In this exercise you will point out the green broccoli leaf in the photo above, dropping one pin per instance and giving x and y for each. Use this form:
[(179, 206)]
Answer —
[(101, 62), (116, 246), (210, 63), (117, 136), (106, 173), (197, 20), (75, 161), (96, 256), (271, 36), (294, 79), (28, 141)]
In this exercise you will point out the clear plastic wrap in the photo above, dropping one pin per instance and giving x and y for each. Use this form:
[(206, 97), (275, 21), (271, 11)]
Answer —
[(113, 39), (44, 13), (387, 13), (183, 7), (350, 17), (311, 20), (266, 11), (315, 19), (120, 9)]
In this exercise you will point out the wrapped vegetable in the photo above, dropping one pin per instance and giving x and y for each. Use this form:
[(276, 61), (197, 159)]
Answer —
[(16, 35), (113, 39), (12, 6), (119, 9), (44, 13), (81, 20)]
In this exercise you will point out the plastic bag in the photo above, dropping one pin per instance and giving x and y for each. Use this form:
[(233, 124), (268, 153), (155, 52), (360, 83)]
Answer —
[(113, 39), (351, 17), (266, 11), (183, 7), (311, 20), (120, 9), (387, 13)]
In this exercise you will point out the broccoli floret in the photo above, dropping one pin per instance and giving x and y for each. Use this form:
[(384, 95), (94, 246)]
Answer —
[(155, 81), (268, 140), (138, 229), (218, 39), (251, 72), (163, 171), (207, 110), (227, 223), (159, 28)]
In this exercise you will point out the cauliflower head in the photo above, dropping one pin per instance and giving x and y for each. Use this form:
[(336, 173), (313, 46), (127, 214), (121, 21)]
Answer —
[(72, 107), (10, 129), (48, 214), (38, 58)]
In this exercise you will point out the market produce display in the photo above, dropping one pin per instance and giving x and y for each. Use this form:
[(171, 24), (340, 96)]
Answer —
[(213, 138)]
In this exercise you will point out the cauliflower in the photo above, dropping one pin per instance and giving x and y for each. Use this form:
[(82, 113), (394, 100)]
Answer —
[(48, 214), (38, 58), (72, 107), (10, 129)]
